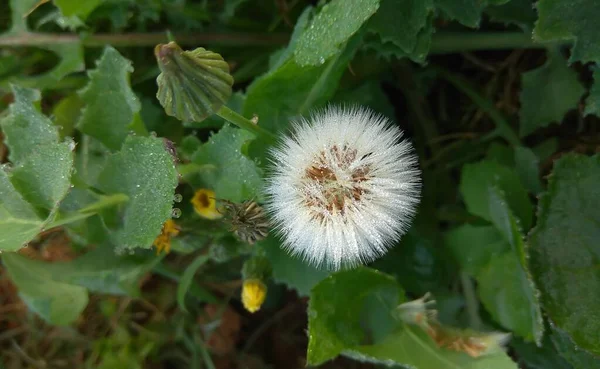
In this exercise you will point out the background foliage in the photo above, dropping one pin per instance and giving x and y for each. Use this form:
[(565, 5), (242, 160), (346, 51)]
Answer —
[(501, 99)]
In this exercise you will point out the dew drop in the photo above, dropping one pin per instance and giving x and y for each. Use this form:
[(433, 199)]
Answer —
[(176, 213), (7, 167), (177, 197), (71, 143), (153, 134)]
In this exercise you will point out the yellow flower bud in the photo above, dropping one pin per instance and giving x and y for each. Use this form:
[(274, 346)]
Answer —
[(254, 293), (205, 204)]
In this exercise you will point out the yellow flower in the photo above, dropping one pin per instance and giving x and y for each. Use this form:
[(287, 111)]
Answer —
[(170, 228), (163, 241), (254, 293), (205, 204)]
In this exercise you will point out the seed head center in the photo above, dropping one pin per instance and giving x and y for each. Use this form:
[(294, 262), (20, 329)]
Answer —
[(334, 180)]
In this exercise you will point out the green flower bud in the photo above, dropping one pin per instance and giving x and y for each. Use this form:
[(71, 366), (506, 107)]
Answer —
[(193, 84)]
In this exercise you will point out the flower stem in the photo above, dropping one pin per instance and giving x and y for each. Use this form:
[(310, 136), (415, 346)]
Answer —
[(503, 128), (143, 39), (451, 42), (240, 121), (471, 301), (442, 42)]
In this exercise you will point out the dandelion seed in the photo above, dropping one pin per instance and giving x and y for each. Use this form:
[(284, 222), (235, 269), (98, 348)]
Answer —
[(254, 292), (205, 204), (344, 187)]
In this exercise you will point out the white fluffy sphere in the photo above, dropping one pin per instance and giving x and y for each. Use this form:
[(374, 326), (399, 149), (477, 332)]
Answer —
[(344, 187)]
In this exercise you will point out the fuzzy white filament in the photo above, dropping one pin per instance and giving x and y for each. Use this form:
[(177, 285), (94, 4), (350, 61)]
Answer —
[(344, 187)]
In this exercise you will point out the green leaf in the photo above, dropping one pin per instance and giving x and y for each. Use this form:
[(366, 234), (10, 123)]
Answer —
[(507, 295), (81, 9), (527, 166), (19, 10), (103, 271), (42, 170), (592, 103), (570, 20), (368, 94), (321, 40), (58, 303), (578, 358), (144, 171), (291, 271), (336, 305), (478, 177), (544, 357), (25, 126), (390, 50), (548, 93), (518, 12), (401, 21), (467, 12), (412, 348), (289, 89), (232, 175), (70, 54), (353, 312), (66, 113), (187, 278), (528, 321), (564, 249), (18, 221), (112, 109), (70, 60), (475, 247), (417, 262), (44, 177)]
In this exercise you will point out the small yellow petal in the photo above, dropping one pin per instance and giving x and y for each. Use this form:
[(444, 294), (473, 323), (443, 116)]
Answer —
[(162, 243), (205, 204), (170, 228), (254, 293)]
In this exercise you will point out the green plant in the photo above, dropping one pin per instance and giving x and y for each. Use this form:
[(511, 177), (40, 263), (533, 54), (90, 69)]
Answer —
[(137, 140)]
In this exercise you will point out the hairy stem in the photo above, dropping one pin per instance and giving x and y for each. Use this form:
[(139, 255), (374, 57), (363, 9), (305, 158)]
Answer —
[(442, 42), (240, 121), (143, 39)]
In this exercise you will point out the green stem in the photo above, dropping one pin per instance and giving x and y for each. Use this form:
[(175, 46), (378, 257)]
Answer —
[(240, 121), (441, 43), (143, 39), (471, 301), (503, 128), (451, 42), (88, 211)]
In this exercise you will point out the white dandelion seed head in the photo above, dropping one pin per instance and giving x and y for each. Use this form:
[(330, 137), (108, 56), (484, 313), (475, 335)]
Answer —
[(344, 187)]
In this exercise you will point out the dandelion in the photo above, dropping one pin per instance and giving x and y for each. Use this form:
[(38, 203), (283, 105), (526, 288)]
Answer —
[(205, 204), (254, 292), (163, 241), (344, 187)]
